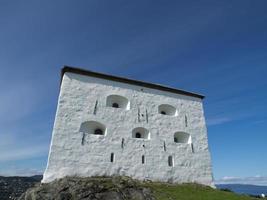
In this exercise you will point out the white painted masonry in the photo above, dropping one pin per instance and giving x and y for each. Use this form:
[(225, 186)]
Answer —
[(173, 146)]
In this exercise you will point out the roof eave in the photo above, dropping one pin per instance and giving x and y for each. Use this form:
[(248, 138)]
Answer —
[(126, 80)]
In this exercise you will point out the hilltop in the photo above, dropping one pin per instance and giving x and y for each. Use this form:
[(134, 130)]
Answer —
[(122, 188)]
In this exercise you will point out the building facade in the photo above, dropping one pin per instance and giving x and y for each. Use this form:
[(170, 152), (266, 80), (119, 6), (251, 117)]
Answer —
[(107, 125)]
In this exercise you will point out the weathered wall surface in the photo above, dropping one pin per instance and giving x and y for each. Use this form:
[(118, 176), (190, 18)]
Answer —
[(76, 104)]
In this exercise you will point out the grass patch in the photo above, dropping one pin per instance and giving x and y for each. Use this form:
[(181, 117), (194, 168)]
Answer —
[(192, 192)]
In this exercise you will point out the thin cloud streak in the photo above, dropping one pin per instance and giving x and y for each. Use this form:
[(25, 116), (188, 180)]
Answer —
[(218, 121), (255, 180), (15, 171)]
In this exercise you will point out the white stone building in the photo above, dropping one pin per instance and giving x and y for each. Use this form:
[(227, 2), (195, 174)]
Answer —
[(107, 125)]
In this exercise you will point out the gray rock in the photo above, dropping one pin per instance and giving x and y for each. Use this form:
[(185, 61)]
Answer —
[(93, 188)]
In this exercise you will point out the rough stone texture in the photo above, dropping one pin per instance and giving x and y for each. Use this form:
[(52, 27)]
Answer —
[(76, 104), (99, 188), (12, 187)]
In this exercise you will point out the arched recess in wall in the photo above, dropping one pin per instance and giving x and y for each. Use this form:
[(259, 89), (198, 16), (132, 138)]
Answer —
[(182, 137), (117, 101), (93, 127), (166, 109), (141, 133)]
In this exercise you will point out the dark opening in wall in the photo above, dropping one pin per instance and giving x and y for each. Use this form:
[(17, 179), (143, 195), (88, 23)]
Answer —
[(170, 161), (192, 148), (138, 135), (93, 127), (112, 157), (83, 139), (122, 143), (115, 105), (166, 109), (182, 137), (143, 159), (98, 132), (117, 101)]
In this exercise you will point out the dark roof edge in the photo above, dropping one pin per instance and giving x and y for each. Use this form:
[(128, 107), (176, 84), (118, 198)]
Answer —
[(126, 80)]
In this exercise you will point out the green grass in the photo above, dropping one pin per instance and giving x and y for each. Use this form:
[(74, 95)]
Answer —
[(192, 192)]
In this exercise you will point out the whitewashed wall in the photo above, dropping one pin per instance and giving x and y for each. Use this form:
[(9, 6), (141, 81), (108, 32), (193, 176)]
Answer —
[(76, 104)]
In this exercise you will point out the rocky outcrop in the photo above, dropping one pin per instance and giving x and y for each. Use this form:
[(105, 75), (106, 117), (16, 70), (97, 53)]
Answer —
[(104, 188)]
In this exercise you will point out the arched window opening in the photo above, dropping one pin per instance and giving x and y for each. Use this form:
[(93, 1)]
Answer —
[(143, 159), (93, 127), (117, 101), (182, 137), (112, 157), (170, 161), (166, 109), (140, 133)]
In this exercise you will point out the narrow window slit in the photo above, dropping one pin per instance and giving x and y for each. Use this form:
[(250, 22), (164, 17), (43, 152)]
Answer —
[(83, 138), (112, 157), (185, 119), (170, 161), (192, 148), (164, 146), (146, 116), (95, 109), (138, 115), (143, 159), (122, 143)]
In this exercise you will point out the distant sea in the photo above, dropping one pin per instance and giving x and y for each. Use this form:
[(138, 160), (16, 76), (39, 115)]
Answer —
[(244, 189)]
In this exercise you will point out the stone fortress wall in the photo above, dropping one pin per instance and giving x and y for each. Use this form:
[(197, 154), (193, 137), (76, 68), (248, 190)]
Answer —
[(103, 128)]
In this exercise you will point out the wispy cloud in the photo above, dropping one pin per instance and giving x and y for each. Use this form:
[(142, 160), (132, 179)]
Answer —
[(217, 121), (254, 180), (15, 171)]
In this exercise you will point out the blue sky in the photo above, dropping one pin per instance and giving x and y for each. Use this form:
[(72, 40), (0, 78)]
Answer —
[(216, 48)]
